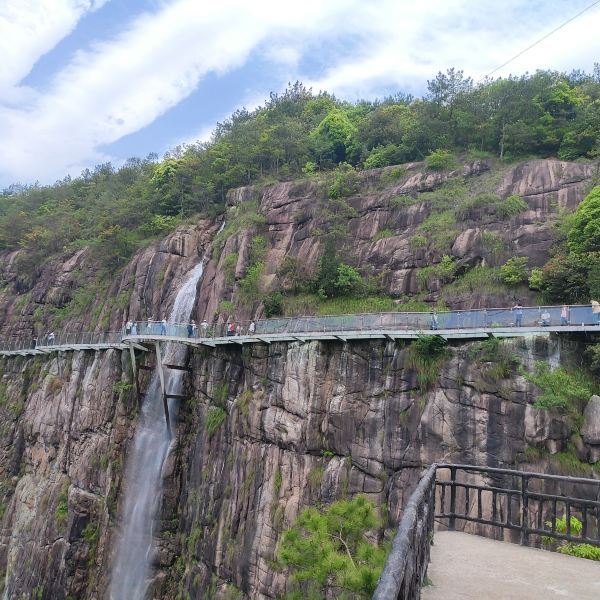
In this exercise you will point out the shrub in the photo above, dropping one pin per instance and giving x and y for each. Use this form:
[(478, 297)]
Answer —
[(560, 389), (579, 550), (330, 551), (345, 181), (584, 235), (382, 156), (439, 229), (492, 243), (514, 270), (440, 160), (443, 271), (418, 241), (215, 417), (511, 207), (425, 356), (565, 279), (273, 304), (348, 280), (250, 284), (536, 279)]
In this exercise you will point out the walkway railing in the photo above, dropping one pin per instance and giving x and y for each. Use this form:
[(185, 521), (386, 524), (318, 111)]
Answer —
[(530, 503), (468, 320)]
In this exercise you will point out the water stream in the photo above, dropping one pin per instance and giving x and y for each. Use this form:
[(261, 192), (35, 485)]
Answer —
[(132, 565)]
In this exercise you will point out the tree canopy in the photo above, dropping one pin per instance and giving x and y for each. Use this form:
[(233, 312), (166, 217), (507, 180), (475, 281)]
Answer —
[(547, 113)]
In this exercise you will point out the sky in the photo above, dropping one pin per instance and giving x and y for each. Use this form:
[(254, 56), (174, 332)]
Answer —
[(84, 82)]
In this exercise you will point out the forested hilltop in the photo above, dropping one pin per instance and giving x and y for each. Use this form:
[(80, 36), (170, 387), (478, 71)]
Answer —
[(317, 138)]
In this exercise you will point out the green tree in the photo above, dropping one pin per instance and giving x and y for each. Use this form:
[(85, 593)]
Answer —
[(329, 551), (585, 227), (332, 137), (514, 270)]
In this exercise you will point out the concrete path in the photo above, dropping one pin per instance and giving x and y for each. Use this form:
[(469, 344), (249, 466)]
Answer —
[(470, 567)]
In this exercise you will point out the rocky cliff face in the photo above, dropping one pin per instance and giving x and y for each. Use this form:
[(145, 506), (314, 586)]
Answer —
[(303, 423)]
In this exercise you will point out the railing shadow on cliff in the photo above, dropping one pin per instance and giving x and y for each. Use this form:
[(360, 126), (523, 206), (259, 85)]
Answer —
[(530, 505)]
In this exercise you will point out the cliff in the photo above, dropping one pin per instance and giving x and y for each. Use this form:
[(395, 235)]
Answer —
[(300, 423)]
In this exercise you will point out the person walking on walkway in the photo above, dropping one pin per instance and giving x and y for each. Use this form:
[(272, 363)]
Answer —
[(51, 339), (163, 327), (545, 319), (596, 311), (128, 327), (518, 314), (231, 329), (204, 328), (434, 320), (251, 328), (565, 315), (134, 329), (149, 325)]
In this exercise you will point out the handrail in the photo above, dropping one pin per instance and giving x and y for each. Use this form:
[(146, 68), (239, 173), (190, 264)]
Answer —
[(463, 321), (406, 565), (524, 511)]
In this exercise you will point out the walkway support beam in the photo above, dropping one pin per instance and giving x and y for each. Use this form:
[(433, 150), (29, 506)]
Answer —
[(161, 376), (134, 371)]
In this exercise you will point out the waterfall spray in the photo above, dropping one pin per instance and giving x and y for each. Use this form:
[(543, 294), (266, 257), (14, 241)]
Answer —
[(131, 569)]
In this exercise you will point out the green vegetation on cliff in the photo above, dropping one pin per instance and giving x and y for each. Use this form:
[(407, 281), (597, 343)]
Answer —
[(329, 551), (295, 134)]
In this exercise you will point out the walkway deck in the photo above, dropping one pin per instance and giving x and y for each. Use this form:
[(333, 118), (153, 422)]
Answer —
[(123, 342), (469, 567)]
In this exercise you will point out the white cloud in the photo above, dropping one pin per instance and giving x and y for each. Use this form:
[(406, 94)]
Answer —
[(29, 29), (121, 85)]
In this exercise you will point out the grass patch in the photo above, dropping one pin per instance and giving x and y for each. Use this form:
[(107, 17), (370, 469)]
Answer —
[(562, 389), (426, 356), (215, 417), (383, 234), (439, 229)]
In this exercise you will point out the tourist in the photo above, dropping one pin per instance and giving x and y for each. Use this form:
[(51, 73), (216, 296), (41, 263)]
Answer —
[(565, 315), (163, 327), (596, 311), (51, 339), (128, 327), (545, 319), (434, 320), (134, 329), (238, 329), (251, 328), (192, 328), (518, 314), (150, 324), (231, 329), (204, 328)]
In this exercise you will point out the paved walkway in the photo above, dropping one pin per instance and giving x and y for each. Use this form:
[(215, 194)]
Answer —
[(470, 567)]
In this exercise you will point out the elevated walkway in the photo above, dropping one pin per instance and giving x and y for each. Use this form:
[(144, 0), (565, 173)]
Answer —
[(470, 567), (467, 325)]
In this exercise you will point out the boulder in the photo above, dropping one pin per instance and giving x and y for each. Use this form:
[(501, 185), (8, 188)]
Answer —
[(591, 422)]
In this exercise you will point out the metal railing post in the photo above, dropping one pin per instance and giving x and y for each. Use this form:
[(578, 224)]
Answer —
[(524, 510), (452, 520)]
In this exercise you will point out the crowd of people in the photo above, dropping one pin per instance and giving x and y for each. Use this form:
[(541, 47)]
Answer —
[(192, 329)]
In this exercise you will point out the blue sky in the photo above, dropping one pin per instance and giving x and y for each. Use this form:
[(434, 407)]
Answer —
[(89, 81)]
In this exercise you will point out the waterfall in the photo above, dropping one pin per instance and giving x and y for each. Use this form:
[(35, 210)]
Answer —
[(131, 567)]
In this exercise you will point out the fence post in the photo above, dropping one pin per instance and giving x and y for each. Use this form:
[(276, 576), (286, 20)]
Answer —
[(524, 511), (452, 520)]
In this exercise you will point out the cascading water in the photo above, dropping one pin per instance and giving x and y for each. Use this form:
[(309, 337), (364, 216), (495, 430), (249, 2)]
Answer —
[(131, 568)]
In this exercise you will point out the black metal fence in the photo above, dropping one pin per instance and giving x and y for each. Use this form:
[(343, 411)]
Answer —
[(533, 505), (519, 501)]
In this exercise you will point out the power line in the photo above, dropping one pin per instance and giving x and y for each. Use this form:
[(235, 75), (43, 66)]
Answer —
[(544, 37)]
